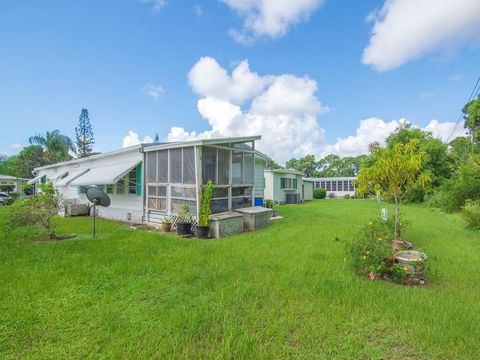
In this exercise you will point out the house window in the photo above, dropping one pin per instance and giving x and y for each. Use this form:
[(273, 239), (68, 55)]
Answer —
[(345, 185), (328, 185), (334, 186), (109, 189), (350, 185), (288, 183), (121, 187), (241, 197), (132, 181), (219, 202), (176, 166), (340, 186)]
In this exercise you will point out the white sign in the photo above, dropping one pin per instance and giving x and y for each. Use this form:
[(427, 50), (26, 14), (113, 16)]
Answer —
[(384, 214)]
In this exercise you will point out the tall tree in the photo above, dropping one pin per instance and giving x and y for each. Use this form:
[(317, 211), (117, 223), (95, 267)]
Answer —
[(84, 135), (306, 165), (28, 159), (55, 145), (471, 113)]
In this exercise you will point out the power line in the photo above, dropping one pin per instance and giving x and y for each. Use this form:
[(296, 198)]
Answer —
[(474, 93)]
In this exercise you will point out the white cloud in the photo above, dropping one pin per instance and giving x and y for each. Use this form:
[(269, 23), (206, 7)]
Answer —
[(198, 10), (270, 18), (15, 146), (407, 29), (157, 4), (377, 130), (446, 131), (283, 109), (370, 130), (132, 138), (207, 78), (154, 91)]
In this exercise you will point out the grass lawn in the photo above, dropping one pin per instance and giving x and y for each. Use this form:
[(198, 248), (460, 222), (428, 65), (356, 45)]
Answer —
[(281, 292)]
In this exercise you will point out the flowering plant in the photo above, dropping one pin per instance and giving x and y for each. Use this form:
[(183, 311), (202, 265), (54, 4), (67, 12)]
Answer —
[(371, 252)]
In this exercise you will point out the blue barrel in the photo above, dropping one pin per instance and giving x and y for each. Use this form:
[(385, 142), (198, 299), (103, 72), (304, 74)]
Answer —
[(258, 201)]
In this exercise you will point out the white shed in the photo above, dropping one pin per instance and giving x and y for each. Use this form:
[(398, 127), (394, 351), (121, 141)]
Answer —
[(286, 186)]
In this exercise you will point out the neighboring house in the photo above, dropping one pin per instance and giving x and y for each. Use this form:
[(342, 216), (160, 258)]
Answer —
[(149, 182), (12, 180), (338, 186), (286, 186)]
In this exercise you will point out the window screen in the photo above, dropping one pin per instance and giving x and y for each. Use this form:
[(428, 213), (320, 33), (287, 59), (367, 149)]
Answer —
[(248, 168), (162, 166), (189, 165), (223, 166), (237, 167), (209, 164), (151, 167), (176, 165), (121, 187)]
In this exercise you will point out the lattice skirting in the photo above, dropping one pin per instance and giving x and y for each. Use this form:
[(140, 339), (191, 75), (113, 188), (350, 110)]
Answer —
[(158, 217)]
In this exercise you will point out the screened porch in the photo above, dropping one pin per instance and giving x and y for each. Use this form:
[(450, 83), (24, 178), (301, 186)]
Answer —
[(174, 176)]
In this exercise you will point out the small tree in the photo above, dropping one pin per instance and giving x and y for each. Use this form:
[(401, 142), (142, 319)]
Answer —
[(84, 135), (394, 170), (205, 211), (471, 113)]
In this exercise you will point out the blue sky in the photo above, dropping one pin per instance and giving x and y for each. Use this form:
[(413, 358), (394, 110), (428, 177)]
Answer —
[(59, 56)]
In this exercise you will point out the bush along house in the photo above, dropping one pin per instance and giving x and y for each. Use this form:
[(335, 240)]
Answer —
[(150, 182)]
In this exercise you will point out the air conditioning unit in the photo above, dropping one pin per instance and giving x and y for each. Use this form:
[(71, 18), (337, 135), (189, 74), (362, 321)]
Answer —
[(76, 209), (292, 198)]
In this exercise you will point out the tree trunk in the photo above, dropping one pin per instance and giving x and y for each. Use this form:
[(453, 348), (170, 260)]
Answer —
[(397, 219)]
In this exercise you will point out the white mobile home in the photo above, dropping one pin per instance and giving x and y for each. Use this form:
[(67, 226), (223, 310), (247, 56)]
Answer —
[(287, 186), (337, 186), (148, 182)]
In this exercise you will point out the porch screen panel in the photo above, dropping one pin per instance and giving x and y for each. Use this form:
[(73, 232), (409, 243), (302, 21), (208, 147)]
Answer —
[(209, 164), (152, 167), (223, 166), (237, 167), (188, 165), (248, 168), (162, 166), (176, 166)]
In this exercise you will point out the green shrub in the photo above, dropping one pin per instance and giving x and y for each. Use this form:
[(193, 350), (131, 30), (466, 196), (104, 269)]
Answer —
[(371, 253), (184, 214), (346, 196), (319, 193), (205, 211), (471, 213), (269, 203), (15, 195), (34, 215)]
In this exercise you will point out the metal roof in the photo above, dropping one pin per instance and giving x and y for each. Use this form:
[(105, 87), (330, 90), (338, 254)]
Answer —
[(285, 171), (200, 142)]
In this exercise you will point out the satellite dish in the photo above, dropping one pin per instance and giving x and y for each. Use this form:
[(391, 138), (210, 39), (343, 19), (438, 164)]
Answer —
[(97, 197)]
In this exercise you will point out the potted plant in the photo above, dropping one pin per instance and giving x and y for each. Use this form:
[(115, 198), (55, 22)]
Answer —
[(167, 224), (184, 223), (203, 227)]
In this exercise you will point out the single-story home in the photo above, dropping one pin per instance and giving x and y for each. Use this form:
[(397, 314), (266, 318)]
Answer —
[(12, 180), (337, 186), (149, 182), (287, 186)]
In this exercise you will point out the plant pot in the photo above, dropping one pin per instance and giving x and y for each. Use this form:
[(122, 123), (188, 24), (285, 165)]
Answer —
[(413, 262), (166, 227), (203, 231), (184, 228)]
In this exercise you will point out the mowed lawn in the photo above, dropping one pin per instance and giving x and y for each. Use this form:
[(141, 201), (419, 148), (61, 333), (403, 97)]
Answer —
[(282, 292)]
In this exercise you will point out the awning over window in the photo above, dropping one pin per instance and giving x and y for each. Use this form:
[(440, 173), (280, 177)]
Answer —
[(105, 175), (71, 176), (59, 175), (35, 180)]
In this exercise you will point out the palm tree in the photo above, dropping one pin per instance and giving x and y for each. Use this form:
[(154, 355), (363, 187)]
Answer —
[(55, 145)]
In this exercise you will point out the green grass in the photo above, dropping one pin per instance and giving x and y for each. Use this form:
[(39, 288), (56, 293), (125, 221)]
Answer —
[(282, 292)]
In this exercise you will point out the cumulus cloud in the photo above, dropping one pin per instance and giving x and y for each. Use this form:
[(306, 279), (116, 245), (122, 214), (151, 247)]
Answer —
[(446, 131), (407, 29), (271, 18), (154, 91), (377, 130), (283, 109), (132, 138)]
